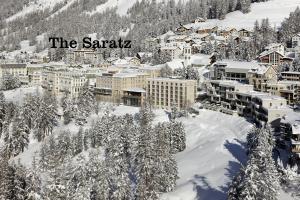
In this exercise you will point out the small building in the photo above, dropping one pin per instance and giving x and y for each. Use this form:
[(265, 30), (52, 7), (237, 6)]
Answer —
[(271, 57), (261, 76)]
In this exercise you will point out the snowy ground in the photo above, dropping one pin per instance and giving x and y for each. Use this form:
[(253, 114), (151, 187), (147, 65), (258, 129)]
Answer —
[(215, 149), (275, 10), (17, 95)]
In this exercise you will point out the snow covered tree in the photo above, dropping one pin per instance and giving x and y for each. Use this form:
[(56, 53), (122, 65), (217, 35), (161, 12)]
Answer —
[(33, 183), (166, 71), (19, 137), (85, 104), (98, 176), (116, 161), (10, 82), (68, 109), (2, 111), (78, 146), (260, 178), (47, 118), (177, 137)]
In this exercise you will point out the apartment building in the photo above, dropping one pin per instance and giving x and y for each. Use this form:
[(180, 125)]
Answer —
[(167, 92), (286, 89), (233, 70), (59, 79), (290, 76), (127, 87), (34, 72), (236, 98), (267, 108), (224, 93), (18, 70)]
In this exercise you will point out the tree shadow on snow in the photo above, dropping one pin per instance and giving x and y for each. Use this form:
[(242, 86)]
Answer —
[(237, 150), (202, 187), (205, 191)]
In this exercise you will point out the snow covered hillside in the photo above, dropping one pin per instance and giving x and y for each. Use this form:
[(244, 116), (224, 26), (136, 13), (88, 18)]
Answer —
[(275, 10), (35, 6), (121, 5), (214, 150)]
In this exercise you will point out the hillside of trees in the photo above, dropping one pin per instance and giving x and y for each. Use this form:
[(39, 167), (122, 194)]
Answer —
[(150, 18)]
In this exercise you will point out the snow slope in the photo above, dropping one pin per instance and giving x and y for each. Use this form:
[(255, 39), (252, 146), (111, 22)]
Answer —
[(121, 5), (275, 10), (39, 5), (214, 151)]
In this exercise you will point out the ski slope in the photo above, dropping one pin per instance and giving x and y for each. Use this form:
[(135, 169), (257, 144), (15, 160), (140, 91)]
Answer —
[(275, 10)]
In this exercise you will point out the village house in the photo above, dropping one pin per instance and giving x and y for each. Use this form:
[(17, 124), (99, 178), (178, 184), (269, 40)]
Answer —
[(271, 57), (245, 32), (261, 76), (183, 30)]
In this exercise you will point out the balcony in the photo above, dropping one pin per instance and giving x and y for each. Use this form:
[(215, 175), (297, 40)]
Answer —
[(296, 149)]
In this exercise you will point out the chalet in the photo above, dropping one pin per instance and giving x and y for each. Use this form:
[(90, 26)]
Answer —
[(228, 32), (276, 47), (245, 32), (199, 20), (271, 57), (261, 76), (183, 30), (206, 29)]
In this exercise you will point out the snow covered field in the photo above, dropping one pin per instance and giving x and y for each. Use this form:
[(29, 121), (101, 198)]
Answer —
[(214, 150), (275, 10)]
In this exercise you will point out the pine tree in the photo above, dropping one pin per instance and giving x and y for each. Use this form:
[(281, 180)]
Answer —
[(19, 138), (2, 111), (86, 103), (47, 116), (79, 141)]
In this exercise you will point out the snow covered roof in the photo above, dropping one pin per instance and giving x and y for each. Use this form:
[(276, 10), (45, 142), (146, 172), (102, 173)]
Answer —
[(240, 66), (200, 59), (201, 26), (175, 64), (13, 65), (267, 52), (261, 69), (140, 90)]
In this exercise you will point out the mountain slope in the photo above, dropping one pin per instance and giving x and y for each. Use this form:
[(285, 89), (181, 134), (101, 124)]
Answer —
[(275, 10)]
